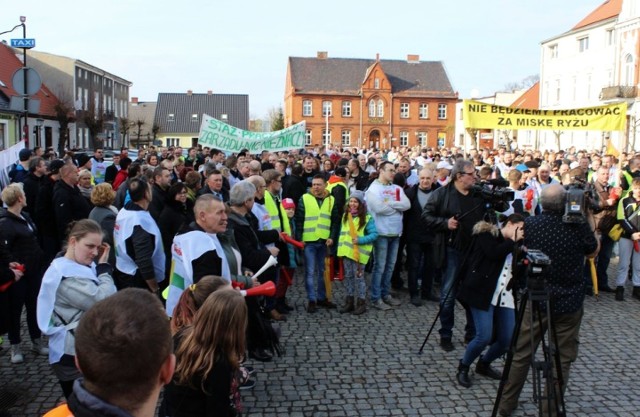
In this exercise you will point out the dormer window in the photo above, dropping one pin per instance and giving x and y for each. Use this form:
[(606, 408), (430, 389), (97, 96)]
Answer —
[(171, 117)]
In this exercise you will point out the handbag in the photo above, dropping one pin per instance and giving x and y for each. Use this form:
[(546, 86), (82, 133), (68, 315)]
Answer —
[(615, 233)]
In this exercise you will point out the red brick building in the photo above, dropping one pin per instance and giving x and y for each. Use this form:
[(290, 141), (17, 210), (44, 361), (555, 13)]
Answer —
[(370, 103)]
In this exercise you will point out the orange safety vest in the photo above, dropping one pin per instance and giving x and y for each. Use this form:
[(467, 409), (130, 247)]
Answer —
[(59, 411)]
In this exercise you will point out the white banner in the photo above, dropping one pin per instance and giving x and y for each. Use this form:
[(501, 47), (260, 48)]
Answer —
[(7, 158), (219, 135)]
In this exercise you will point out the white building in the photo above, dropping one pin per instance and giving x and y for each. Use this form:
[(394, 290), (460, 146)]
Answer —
[(592, 64)]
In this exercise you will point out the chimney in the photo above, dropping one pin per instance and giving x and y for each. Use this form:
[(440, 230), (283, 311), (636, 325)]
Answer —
[(189, 92), (209, 92), (323, 54), (413, 58), (134, 100), (377, 57)]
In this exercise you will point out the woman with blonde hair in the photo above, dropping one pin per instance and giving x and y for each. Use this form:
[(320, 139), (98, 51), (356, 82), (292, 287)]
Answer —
[(208, 355), (104, 213)]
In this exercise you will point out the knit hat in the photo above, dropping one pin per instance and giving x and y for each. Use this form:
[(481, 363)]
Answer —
[(55, 165), (358, 195), (82, 160), (288, 203)]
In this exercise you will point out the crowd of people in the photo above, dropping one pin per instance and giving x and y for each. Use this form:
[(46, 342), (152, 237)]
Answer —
[(189, 227)]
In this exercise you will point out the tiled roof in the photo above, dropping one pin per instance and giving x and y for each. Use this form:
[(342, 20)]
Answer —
[(9, 63), (346, 75), (606, 10), (530, 99), (183, 106)]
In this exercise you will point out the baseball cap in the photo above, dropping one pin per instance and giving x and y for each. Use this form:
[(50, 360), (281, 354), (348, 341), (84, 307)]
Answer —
[(55, 165), (25, 154), (288, 203)]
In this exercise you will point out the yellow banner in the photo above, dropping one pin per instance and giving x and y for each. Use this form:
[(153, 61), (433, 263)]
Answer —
[(478, 115)]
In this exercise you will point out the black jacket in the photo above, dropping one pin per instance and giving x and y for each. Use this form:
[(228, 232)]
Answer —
[(293, 187), (413, 227), (44, 210), (68, 205), (361, 181), (252, 247), (19, 237), (171, 219), (158, 201), (223, 191), (483, 264), (31, 187)]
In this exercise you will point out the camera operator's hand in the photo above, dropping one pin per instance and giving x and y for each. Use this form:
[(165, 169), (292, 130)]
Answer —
[(452, 223), (518, 235), (635, 236)]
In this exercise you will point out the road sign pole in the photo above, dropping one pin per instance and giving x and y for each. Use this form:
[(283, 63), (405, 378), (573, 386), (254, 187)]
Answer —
[(26, 89)]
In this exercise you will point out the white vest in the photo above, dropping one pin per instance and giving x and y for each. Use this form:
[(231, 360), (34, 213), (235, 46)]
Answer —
[(59, 268), (98, 169), (125, 222), (185, 248)]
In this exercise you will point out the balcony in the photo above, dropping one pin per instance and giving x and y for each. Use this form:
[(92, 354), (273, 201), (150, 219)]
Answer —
[(618, 91)]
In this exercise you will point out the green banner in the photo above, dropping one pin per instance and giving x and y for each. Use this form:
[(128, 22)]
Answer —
[(219, 135)]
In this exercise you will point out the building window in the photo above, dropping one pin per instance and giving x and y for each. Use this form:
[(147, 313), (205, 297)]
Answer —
[(173, 142), (307, 137), (306, 108), (346, 109), (380, 108), (404, 138), (171, 117), (553, 51), (610, 37), (628, 70), (442, 111), (376, 83), (583, 44), (404, 110), (423, 111), (372, 108), (557, 90), (326, 108), (326, 136), (194, 117), (346, 138), (422, 138)]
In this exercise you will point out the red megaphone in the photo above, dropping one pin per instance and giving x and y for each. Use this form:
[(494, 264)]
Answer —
[(268, 289), (289, 239)]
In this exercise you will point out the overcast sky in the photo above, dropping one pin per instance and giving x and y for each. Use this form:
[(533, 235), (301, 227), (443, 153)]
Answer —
[(241, 47)]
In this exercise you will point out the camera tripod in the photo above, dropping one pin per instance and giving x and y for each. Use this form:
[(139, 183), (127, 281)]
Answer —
[(535, 303)]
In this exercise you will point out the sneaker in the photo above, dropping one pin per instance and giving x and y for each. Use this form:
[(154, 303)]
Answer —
[(38, 347), (416, 301), (16, 354), (248, 384), (380, 305), (326, 304), (391, 301), (446, 345)]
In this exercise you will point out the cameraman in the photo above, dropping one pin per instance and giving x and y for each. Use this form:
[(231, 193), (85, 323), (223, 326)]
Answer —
[(566, 244), (451, 212), (605, 218)]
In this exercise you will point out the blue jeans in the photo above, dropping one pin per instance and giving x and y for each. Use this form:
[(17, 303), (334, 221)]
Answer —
[(385, 253), (505, 322), (314, 254), (447, 303)]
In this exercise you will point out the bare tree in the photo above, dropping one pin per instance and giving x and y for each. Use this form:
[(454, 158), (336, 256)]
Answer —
[(155, 129), (276, 118), (473, 133), (124, 126), (65, 115), (557, 134), (526, 82), (138, 123), (93, 118)]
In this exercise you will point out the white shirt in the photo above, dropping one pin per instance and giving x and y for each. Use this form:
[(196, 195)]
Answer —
[(501, 293)]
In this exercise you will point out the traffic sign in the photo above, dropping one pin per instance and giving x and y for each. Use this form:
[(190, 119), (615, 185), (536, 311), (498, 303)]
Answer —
[(17, 104), (34, 82), (23, 43)]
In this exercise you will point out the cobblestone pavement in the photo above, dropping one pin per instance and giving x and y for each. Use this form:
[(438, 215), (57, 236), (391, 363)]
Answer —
[(344, 365)]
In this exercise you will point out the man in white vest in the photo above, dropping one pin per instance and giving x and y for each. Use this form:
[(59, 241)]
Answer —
[(140, 256), (196, 250)]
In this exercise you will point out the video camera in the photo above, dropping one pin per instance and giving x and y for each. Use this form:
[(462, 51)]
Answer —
[(494, 192), (536, 262), (578, 201)]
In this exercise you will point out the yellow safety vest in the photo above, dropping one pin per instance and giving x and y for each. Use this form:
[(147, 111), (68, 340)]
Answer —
[(345, 246), (317, 220), (270, 205), (335, 184), (629, 179)]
